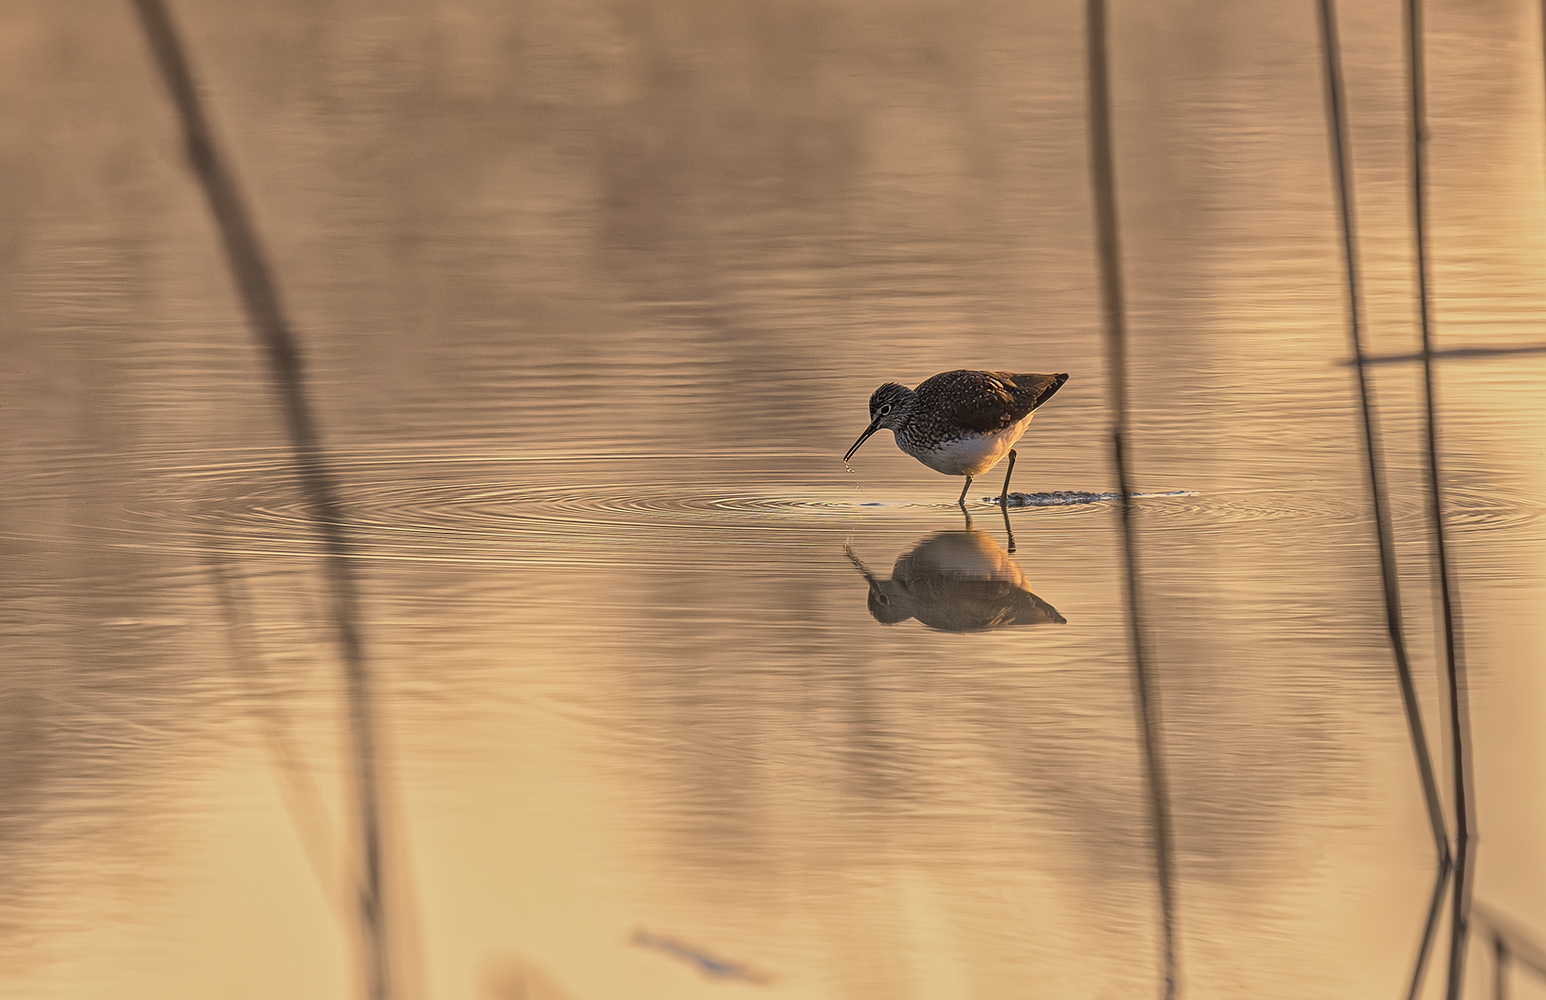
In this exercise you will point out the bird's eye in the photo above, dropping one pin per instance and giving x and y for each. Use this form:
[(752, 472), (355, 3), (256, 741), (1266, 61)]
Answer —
[(885, 409)]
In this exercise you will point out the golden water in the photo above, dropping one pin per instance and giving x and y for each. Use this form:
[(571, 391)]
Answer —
[(593, 297)]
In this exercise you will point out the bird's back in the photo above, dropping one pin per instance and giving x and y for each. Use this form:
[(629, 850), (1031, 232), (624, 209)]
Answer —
[(985, 402)]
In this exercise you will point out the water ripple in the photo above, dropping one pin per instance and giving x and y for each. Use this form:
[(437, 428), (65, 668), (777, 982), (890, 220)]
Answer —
[(464, 506)]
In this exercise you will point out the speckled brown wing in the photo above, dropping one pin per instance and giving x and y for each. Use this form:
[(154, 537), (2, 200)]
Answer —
[(1037, 388), (985, 402)]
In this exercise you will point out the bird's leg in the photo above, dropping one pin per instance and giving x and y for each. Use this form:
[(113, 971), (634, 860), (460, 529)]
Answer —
[(1003, 500), (962, 501)]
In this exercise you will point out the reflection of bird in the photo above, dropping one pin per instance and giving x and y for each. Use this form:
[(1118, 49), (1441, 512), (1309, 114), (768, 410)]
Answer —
[(962, 422), (956, 581)]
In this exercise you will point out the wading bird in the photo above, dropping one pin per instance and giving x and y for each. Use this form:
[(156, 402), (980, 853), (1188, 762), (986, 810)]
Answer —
[(963, 422)]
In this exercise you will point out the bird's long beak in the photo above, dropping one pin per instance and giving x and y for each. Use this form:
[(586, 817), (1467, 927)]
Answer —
[(862, 438)]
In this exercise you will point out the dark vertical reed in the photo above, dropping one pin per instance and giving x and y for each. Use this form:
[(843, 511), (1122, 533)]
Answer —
[(260, 295), (300, 790), (1454, 665), (1430, 929), (1336, 104), (1103, 177), (1499, 967)]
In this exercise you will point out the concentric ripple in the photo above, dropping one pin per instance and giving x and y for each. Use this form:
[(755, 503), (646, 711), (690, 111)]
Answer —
[(497, 509), (463, 506)]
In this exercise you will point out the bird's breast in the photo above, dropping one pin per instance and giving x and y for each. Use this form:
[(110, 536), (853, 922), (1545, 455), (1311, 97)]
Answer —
[(965, 453)]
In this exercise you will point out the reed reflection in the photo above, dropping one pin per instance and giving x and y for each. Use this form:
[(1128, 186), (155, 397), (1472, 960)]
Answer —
[(956, 581)]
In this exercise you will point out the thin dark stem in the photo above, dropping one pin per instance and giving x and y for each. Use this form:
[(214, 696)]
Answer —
[(1499, 967), (301, 793), (1335, 103), (1430, 931), (1454, 665), (1452, 353), (260, 295), (1103, 176)]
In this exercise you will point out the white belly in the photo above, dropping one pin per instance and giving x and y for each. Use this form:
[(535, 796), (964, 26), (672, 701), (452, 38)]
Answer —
[(973, 454)]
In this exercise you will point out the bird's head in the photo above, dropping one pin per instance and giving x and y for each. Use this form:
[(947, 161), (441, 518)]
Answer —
[(890, 406)]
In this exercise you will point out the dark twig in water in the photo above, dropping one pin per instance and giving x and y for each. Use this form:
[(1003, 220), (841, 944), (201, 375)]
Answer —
[(1104, 183), (1448, 353), (1512, 942), (714, 968), (1342, 183), (260, 295), (1449, 598), (1069, 498)]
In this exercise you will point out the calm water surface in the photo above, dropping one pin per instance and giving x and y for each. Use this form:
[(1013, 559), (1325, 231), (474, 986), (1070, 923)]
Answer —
[(593, 296)]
